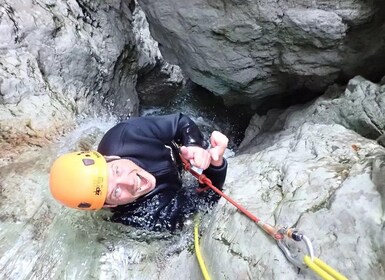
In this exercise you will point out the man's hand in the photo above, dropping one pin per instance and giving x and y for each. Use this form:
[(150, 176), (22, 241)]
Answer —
[(219, 144), (197, 156), (202, 158)]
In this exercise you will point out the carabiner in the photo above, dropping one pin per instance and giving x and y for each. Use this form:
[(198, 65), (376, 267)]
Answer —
[(294, 234), (309, 246), (281, 244)]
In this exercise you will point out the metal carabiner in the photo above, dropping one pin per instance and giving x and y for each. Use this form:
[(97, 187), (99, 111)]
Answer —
[(309, 261), (296, 236), (281, 244), (309, 246)]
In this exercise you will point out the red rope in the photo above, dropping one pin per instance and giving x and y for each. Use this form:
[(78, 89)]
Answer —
[(202, 178)]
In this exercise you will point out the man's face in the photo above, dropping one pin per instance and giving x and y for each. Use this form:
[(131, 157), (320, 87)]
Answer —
[(127, 182)]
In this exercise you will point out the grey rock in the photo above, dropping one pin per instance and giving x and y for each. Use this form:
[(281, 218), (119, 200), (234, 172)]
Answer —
[(246, 50), (381, 140), (360, 107), (60, 60), (378, 178)]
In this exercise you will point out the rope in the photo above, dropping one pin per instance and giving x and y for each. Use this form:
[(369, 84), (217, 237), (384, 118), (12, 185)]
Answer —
[(273, 232), (201, 262), (319, 267), (323, 270)]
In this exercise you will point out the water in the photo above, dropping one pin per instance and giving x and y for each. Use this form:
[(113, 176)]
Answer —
[(39, 239), (207, 111), (37, 235)]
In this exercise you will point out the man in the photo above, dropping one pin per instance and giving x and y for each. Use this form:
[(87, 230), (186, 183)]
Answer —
[(136, 172)]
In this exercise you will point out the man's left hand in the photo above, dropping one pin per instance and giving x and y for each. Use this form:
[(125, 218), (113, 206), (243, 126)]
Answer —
[(202, 158), (197, 156)]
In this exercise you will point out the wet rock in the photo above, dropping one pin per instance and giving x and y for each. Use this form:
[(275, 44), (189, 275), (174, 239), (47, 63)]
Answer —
[(378, 178), (245, 50), (301, 168), (312, 179), (56, 59), (64, 59), (158, 81), (359, 107)]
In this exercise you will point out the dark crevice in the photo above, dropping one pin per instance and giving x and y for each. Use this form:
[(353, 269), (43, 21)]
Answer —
[(87, 13), (132, 6), (11, 15)]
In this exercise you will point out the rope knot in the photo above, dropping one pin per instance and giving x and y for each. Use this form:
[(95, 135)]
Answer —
[(186, 165), (203, 180)]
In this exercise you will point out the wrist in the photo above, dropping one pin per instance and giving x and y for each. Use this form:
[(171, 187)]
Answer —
[(217, 163)]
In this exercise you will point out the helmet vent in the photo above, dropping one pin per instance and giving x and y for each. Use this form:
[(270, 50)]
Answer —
[(84, 205), (88, 161)]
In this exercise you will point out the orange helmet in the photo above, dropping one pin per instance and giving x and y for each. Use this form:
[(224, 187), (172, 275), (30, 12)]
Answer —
[(79, 180)]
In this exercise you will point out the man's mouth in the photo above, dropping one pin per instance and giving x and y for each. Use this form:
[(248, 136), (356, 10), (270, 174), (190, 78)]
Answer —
[(142, 183)]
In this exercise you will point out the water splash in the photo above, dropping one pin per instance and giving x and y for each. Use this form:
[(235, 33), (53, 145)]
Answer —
[(40, 239)]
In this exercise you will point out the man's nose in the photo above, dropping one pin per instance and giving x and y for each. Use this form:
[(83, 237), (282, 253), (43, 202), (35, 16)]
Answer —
[(127, 179)]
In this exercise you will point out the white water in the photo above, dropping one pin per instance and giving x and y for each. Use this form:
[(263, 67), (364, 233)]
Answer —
[(40, 239)]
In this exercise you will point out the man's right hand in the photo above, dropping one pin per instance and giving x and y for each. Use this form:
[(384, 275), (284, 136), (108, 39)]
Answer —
[(197, 156)]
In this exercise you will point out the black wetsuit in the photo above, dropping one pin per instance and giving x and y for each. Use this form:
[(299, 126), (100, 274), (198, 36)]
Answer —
[(148, 141)]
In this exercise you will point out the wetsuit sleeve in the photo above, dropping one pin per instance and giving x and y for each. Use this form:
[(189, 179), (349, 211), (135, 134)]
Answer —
[(175, 127), (217, 175), (144, 140), (167, 128)]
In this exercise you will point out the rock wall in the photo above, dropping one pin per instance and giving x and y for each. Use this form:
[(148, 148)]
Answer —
[(359, 107), (302, 169), (56, 56), (247, 50), (60, 60), (309, 166)]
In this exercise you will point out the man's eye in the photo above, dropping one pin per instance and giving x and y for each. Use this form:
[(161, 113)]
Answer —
[(117, 192), (116, 170)]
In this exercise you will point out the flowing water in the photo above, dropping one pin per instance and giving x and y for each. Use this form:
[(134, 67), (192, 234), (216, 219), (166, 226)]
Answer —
[(39, 239)]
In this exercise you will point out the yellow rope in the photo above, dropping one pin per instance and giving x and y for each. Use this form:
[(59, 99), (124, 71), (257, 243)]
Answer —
[(202, 265), (323, 270)]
